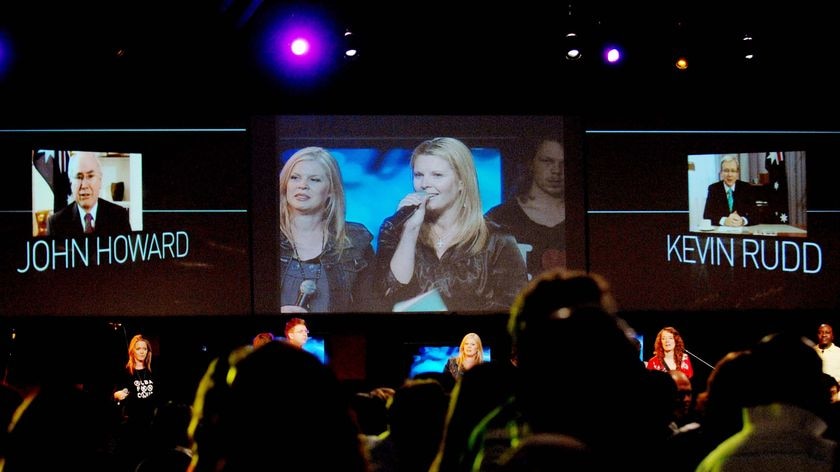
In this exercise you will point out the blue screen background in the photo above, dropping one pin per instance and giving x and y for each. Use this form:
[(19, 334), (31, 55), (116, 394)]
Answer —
[(433, 359)]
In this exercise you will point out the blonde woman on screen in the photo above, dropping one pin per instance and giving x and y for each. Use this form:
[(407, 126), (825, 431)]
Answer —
[(470, 354), (325, 262), (439, 241)]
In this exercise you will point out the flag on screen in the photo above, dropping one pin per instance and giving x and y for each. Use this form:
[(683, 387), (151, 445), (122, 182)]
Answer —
[(63, 159), (53, 166), (777, 191), (63, 193), (44, 162)]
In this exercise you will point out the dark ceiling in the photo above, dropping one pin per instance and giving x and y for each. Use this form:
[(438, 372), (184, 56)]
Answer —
[(419, 57)]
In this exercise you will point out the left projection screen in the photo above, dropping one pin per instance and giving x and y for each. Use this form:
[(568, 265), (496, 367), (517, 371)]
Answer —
[(183, 251)]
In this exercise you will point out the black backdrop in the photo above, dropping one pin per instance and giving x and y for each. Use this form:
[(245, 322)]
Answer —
[(194, 72)]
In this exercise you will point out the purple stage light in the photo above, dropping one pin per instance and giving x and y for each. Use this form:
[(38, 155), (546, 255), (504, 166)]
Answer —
[(612, 54), (5, 54), (300, 47)]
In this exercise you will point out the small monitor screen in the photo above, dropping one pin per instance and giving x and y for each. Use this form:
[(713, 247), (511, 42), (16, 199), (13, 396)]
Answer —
[(432, 359), (640, 340), (314, 345)]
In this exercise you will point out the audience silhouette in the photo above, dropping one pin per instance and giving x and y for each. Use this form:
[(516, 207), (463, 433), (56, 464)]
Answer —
[(783, 419), (551, 323), (559, 402), (305, 414), (415, 417)]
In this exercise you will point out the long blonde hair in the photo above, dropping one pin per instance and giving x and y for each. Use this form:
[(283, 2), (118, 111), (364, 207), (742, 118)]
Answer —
[(334, 210), (479, 355), (472, 229)]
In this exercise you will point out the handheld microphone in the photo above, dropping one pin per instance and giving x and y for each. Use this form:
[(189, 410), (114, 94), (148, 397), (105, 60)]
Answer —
[(403, 214), (306, 292)]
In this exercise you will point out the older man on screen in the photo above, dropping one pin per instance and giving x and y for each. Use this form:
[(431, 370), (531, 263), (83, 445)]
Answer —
[(88, 214)]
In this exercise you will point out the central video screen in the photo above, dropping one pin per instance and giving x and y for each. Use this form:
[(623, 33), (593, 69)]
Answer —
[(369, 214)]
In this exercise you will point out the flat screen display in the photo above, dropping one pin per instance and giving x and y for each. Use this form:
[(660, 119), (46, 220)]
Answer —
[(432, 359), (314, 345), (169, 233), (373, 154), (665, 231)]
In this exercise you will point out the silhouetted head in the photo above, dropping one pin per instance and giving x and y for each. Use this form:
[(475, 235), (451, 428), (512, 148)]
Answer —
[(262, 338), (572, 352), (790, 371), (297, 400), (564, 313)]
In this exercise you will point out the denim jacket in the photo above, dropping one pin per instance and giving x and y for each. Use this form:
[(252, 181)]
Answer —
[(349, 275), (486, 282)]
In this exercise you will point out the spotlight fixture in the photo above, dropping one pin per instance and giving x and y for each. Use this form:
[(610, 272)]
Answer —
[(299, 46), (573, 52), (612, 54), (680, 40), (572, 41), (748, 47), (6, 52), (351, 50)]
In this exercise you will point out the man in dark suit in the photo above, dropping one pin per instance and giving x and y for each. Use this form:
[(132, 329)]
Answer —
[(731, 201), (105, 218)]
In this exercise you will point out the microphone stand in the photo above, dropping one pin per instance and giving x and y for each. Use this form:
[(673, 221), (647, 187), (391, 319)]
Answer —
[(10, 358), (698, 358)]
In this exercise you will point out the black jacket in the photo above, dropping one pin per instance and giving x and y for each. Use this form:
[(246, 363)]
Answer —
[(486, 282), (349, 273)]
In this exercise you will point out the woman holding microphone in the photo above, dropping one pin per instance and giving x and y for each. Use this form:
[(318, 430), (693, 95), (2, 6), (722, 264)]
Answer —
[(439, 242)]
